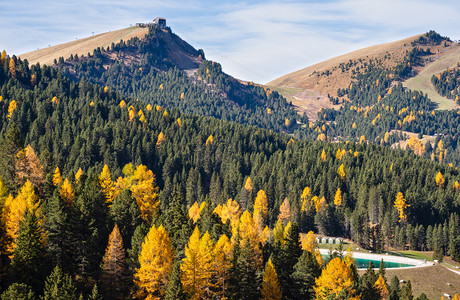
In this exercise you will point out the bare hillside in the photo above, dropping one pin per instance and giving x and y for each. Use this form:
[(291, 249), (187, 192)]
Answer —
[(82, 46), (319, 80)]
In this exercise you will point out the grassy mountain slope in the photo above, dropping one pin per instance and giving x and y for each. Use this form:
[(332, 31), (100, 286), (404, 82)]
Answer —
[(82, 46), (448, 58)]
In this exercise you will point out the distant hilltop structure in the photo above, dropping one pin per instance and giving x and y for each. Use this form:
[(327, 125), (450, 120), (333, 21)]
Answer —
[(158, 21)]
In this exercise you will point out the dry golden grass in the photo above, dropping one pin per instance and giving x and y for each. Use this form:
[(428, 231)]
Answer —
[(82, 46), (449, 57), (434, 281), (314, 85)]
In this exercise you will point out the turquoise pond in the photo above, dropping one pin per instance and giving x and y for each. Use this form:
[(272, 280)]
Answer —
[(362, 263)]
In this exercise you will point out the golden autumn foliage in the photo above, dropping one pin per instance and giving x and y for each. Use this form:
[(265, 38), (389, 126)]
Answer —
[(456, 186), (270, 286), (155, 261), (149, 107), (323, 155), (386, 137), (12, 68), (57, 178), (261, 204), (440, 180), (209, 140), (278, 232), (28, 166), (182, 96), (91, 103), (3, 57), (416, 145), (248, 184), (285, 211), (334, 278), (179, 122), (338, 198), (106, 89), (11, 107), (161, 138), (341, 172), (309, 242), (305, 198), (400, 204), (166, 116), (197, 266), (122, 104), (222, 263), (229, 211), (14, 209), (54, 100), (381, 286), (108, 188), (318, 203), (354, 126), (195, 211), (78, 175), (66, 192)]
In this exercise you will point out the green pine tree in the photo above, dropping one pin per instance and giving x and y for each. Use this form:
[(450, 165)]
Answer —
[(406, 291), (174, 290), (95, 294), (305, 271), (59, 286), (18, 291), (29, 263)]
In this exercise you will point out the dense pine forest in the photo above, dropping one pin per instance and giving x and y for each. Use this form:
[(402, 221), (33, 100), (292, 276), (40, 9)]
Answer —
[(105, 194)]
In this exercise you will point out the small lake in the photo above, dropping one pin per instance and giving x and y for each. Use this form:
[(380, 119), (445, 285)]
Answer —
[(362, 263)]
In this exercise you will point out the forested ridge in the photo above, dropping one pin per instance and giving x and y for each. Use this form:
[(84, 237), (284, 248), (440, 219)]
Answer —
[(145, 70), (94, 184)]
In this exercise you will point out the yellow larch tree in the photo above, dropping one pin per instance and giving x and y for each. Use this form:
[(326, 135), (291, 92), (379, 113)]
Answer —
[(285, 211), (155, 264), (197, 266), (341, 172), (248, 184), (270, 286), (57, 178), (179, 122), (78, 175), (105, 180), (145, 192), (261, 204), (166, 115), (14, 209), (12, 68), (222, 263), (106, 89), (247, 231), (209, 140), (195, 210), (149, 107), (66, 192), (381, 286), (440, 180), (28, 166), (161, 138), (305, 198), (400, 204), (323, 155), (230, 211), (338, 198), (3, 58), (309, 242), (122, 104), (334, 278), (456, 186), (11, 107)]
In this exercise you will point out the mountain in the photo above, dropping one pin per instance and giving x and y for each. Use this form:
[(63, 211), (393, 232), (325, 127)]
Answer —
[(83, 46), (309, 87), (159, 68)]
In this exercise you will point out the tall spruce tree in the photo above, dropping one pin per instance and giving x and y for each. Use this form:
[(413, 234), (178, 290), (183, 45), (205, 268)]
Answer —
[(59, 286), (29, 263)]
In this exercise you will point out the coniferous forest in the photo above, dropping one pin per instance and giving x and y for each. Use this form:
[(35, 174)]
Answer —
[(165, 186)]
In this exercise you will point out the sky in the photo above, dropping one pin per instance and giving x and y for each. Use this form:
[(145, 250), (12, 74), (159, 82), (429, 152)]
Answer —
[(253, 40)]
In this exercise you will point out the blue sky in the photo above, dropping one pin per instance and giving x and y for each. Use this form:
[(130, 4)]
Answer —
[(253, 40)]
